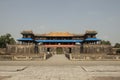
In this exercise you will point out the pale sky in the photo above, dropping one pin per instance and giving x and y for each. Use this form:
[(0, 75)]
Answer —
[(75, 16)]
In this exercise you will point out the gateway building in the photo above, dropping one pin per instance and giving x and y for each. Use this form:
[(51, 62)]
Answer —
[(62, 42)]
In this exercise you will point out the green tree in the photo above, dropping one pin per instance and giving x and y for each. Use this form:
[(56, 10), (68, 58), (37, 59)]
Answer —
[(117, 45), (6, 39), (105, 42)]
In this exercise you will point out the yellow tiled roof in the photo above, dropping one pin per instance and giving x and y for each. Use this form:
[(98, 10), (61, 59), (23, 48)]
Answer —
[(59, 34)]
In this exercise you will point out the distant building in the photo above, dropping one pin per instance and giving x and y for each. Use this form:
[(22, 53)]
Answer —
[(60, 42), (75, 46), (59, 38)]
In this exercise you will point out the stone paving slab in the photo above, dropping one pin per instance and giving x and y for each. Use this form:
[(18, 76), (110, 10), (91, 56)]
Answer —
[(11, 68), (59, 68), (102, 68), (105, 78), (50, 73), (62, 73)]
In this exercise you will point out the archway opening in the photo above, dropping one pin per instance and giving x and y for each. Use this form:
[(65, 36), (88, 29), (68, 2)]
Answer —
[(59, 50)]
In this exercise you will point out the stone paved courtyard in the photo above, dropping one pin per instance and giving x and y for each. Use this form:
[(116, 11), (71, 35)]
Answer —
[(59, 68)]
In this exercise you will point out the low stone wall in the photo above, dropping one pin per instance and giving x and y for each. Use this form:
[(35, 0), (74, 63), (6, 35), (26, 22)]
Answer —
[(68, 55), (86, 48), (2, 51), (25, 49), (116, 51), (96, 48), (47, 56), (6, 57), (92, 57), (29, 57), (32, 57), (24, 52), (20, 49)]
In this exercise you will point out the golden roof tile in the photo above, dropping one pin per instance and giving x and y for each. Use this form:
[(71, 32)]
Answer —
[(59, 34)]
